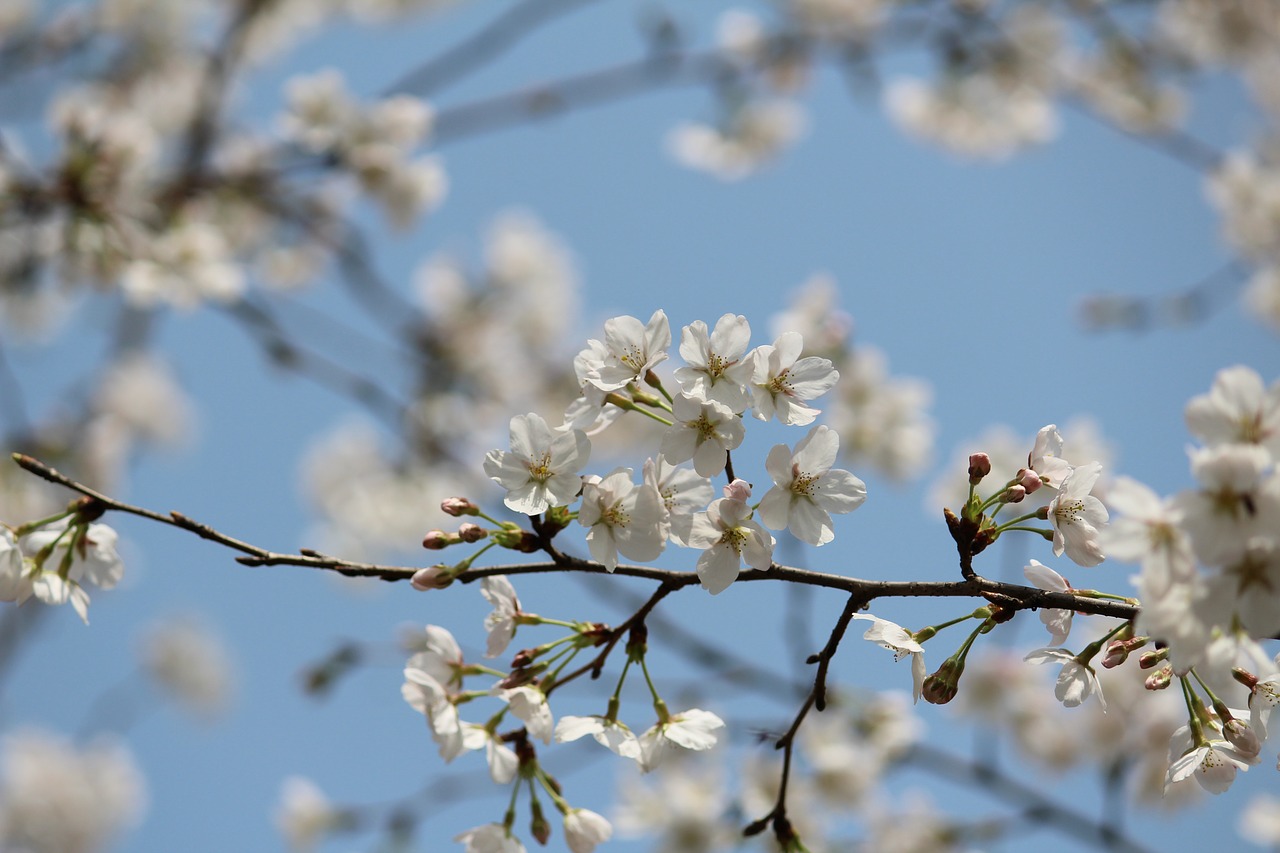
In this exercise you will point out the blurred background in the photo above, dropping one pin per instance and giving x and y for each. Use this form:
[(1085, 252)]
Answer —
[(1072, 271)]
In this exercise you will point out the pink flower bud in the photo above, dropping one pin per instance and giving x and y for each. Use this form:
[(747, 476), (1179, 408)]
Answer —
[(1015, 494), (738, 490), (1160, 679), (979, 467), (458, 507), (1029, 480), (1116, 654), (436, 540), (469, 532), (1240, 735), (432, 577)]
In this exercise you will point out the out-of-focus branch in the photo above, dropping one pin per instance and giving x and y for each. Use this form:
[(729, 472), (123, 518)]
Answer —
[(485, 45), (1037, 807)]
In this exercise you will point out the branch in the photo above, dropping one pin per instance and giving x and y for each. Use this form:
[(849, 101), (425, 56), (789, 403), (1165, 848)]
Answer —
[(1012, 596), (486, 44)]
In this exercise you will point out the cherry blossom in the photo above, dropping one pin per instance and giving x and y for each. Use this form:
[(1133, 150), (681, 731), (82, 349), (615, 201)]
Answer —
[(806, 490), (622, 517), (730, 536), (1237, 410), (584, 829), (1076, 682), (541, 469), (501, 623), (704, 431), (781, 381), (1058, 622), (1046, 459), (1149, 532), (529, 705), (608, 733), (717, 367), (1076, 515), (490, 838), (900, 641), (1214, 762), (630, 350), (693, 730), (683, 493)]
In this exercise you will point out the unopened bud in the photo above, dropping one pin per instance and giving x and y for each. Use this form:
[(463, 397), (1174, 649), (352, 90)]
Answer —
[(1117, 653), (432, 577), (469, 532), (458, 507), (941, 687), (738, 490), (1029, 480), (1240, 735), (1150, 659), (539, 828), (1015, 495), (437, 540), (1160, 679), (979, 467)]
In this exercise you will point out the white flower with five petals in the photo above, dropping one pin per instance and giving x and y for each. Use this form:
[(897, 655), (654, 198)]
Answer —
[(806, 490), (1076, 516), (541, 469)]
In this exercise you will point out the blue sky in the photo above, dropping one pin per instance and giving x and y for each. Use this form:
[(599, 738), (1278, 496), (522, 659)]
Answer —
[(967, 275)]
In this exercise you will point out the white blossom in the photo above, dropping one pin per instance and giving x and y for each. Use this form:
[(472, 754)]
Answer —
[(693, 730), (704, 431), (1076, 516), (541, 469), (806, 490), (781, 381), (622, 517), (490, 838), (898, 640), (729, 536), (717, 365), (608, 733), (501, 623), (584, 829), (1076, 681)]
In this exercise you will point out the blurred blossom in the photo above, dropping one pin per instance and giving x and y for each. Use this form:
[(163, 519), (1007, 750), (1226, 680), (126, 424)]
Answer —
[(59, 798), (882, 420), (304, 814), (975, 115), (190, 662), (754, 134)]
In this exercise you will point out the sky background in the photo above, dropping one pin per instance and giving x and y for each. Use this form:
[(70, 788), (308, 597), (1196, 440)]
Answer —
[(968, 275)]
